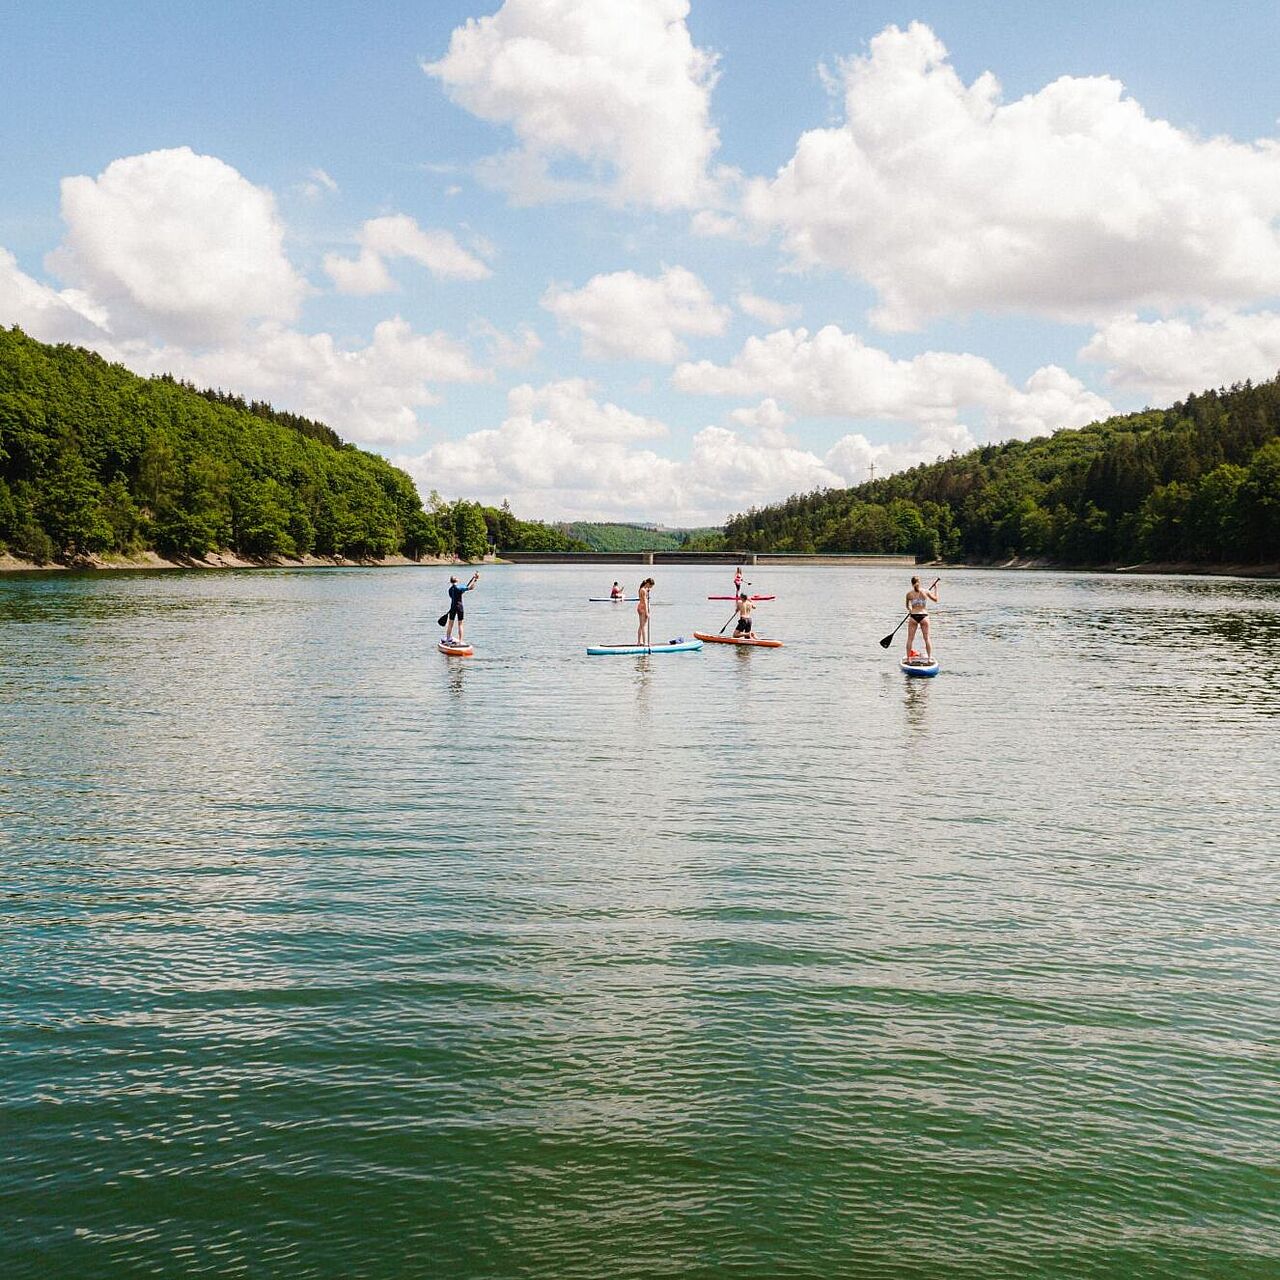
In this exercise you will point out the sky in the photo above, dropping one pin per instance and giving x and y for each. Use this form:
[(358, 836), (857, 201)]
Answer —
[(661, 260)]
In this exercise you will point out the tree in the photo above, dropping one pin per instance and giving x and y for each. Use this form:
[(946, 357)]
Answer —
[(1260, 502), (1161, 522), (1214, 524), (470, 533), (425, 536)]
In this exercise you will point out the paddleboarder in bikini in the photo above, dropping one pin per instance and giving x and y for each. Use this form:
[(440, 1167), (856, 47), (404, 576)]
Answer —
[(918, 617), (642, 610)]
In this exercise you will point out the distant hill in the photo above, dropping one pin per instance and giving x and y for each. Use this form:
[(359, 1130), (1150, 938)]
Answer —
[(95, 460), (1198, 482), (638, 537)]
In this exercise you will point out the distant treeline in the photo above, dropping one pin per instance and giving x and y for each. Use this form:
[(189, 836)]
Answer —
[(602, 536), (96, 460), (1196, 482)]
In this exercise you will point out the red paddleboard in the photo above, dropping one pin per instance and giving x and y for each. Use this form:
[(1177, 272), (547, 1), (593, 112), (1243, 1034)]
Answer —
[(755, 644), (735, 597)]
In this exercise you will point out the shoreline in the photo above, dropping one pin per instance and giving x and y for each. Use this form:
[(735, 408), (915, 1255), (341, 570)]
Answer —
[(1156, 568), (149, 560)]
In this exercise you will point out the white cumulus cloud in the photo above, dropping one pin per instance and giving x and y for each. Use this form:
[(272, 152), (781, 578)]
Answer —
[(767, 311), (178, 245), (618, 89), (561, 454), (558, 452), (712, 223), (52, 315), (627, 316), (1169, 358), (513, 350), (399, 236), (856, 458), (1070, 203), (369, 394), (835, 374), (768, 420), (182, 270), (318, 185)]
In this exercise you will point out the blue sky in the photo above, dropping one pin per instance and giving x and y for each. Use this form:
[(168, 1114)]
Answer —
[(734, 249)]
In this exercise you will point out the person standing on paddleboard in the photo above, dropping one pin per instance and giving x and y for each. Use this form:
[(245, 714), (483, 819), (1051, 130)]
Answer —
[(737, 581), (642, 610), (456, 612), (918, 617), (745, 630)]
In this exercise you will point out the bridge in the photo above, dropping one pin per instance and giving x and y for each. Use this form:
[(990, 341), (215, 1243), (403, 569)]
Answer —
[(706, 557)]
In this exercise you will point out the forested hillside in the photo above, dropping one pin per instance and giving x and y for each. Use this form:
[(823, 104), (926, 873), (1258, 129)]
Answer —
[(1198, 482), (633, 537), (95, 460)]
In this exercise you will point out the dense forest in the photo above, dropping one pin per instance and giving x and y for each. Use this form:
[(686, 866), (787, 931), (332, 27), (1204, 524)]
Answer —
[(604, 536), (95, 460), (1197, 482)]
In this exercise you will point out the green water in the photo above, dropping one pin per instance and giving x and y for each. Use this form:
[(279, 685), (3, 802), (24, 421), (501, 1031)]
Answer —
[(323, 955)]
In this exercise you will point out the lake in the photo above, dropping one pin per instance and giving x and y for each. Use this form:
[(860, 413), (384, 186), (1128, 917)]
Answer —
[(325, 955)]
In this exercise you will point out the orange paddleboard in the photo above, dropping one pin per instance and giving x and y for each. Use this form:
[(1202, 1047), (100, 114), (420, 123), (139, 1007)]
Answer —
[(752, 644)]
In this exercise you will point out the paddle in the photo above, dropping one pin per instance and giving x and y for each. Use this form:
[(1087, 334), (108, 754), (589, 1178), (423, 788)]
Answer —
[(888, 640), (442, 619), (733, 615)]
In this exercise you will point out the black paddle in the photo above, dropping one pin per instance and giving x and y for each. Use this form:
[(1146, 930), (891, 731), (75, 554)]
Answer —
[(442, 619), (888, 640), (734, 615)]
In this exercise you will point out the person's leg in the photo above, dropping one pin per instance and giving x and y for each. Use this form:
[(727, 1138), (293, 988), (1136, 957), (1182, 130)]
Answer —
[(924, 631), (912, 624)]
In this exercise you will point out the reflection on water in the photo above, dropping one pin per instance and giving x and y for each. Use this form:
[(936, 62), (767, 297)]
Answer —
[(456, 675), (323, 955), (916, 693)]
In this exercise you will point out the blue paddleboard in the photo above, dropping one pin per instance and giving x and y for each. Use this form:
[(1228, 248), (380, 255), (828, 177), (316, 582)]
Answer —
[(672, 646), (919, 667)]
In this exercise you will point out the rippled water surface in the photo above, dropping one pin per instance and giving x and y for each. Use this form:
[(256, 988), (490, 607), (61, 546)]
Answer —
[(323, 955)]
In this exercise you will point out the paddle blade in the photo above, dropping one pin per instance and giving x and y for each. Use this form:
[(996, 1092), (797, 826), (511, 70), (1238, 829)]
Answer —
[(887, 641), (442, 619)]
